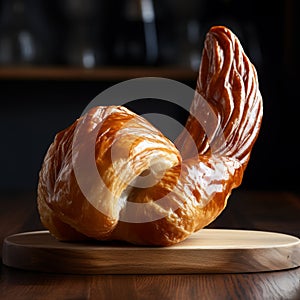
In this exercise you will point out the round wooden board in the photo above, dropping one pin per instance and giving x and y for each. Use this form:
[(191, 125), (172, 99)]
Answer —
[(207, 251)]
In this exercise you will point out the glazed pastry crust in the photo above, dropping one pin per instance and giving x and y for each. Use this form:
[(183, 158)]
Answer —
[(112, 166)]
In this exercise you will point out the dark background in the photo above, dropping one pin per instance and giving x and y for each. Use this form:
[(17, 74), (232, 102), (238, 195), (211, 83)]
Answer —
[(33, 111)]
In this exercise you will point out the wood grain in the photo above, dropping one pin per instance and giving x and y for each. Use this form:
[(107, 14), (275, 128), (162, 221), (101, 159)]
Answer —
[(251, 210), (207, 251)]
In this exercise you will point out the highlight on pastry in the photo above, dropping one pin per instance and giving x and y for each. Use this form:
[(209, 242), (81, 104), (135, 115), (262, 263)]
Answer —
[(153, 191)]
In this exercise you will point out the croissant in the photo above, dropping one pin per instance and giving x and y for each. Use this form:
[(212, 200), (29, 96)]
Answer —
[(112, 175)]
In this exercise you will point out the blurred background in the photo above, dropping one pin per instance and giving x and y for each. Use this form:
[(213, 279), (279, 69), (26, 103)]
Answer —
[(56, 56)]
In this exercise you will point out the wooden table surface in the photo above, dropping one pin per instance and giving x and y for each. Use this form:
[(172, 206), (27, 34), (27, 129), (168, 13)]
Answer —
[(270, 211)]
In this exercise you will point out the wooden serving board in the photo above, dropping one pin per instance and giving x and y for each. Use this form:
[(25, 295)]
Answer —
[(207, 251)]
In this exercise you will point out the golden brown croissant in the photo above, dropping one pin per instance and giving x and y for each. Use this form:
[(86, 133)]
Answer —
[(113, 176)]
